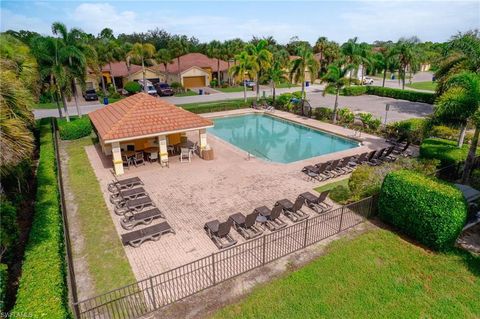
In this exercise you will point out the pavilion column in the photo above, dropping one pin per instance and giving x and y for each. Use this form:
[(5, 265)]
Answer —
[(117, 158), (162, 146), (202, 138)]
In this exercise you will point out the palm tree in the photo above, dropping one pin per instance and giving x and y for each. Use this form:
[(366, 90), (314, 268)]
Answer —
[(351, 53), (275, 74), (179, 46), (328, 52), (364, 57), (18, 83), (384, 60), (71, 55), (261, 60), (103, 57), (164, 57), (304, 62), (143, 52), (464, 55), (406, 51), (335, 78), (460, 101), (243, 67), (214, 51)]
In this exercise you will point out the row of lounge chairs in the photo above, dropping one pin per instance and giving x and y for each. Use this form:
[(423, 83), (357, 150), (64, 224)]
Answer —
[(136, 208), (332, 169), (262, 218)]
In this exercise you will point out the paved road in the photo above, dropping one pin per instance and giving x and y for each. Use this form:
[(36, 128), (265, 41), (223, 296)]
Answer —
[(396, 84), (399, 109)]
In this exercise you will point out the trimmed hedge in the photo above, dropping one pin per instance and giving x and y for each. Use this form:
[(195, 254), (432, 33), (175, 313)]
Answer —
[(42, 291), (413, 96), (354, 90), (444, 150), (426, 209), (413, 129), (75, 129), (216, 106), (3, 285), (132, 87)]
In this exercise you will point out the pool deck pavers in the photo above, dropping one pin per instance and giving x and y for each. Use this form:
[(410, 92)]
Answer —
[(190, 194)]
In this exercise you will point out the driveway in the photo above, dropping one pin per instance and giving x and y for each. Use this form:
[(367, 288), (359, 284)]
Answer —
[(396, 84)]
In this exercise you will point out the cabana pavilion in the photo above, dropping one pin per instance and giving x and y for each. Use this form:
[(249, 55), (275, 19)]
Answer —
[(142, 122)]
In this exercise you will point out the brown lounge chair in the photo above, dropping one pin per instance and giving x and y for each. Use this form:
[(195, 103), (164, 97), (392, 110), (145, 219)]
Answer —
[(219, 233), (131, 220), (154, 232), (274, 222), (317, 204), (293, 210), (135, 205), (118, 185), (127, 194), (245, 226)]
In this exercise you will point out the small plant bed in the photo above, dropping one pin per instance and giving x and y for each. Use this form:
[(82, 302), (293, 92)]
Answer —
[(186, 93), (376, 275), (217, 106), (332, 185), (103, 251), (427, 85), (76, 128)]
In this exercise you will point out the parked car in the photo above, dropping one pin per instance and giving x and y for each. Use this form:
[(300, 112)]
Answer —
[(163, 89), (90, 95), (150, 88), (248, 83), (367, 80)]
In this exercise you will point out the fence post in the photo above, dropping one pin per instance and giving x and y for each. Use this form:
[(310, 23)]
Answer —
[(153, 293), (213, 269), (263, 252), (306, 231), (341, 219)]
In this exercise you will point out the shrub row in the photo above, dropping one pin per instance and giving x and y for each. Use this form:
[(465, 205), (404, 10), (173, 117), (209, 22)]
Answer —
[(42, 290), (413, 96), (354, 90), (75, 129), (216, 107), (413, 130), (444, 150), (426, 209)]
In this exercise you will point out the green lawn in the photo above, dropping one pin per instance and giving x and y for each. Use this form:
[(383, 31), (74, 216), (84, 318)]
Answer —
[(217, 106), (330, 186), (232, 89), (103, 250), (427, 85), (286, 85), (51, 105), (376, 275), (187, 93)]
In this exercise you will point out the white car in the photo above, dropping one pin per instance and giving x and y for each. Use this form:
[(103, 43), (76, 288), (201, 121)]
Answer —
[(150, 88), (367, 80)]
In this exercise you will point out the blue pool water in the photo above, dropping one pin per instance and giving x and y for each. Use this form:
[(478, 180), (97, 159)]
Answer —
[(277, 140)]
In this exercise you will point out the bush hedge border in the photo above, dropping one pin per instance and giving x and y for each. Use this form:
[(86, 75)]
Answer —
[(409, 95), (42, 291)]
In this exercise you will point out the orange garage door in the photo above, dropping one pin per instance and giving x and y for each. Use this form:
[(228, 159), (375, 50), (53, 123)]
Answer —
[(193, 81)]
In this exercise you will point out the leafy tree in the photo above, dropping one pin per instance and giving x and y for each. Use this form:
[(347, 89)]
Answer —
[(275, 74), (142, 52), (18, 82), (304, 62), (179, 46), (261, 60), (215, 51), (336, 79), (459, 103), (107, 34), (244, 67), (327, 52), (365, 57), (295, 44), (351, 53), (384, 60)]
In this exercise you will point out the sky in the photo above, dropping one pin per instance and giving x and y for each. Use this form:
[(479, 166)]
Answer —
[(221, 20)]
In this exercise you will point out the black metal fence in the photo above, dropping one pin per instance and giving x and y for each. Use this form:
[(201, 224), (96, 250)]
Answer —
[(160, 290)]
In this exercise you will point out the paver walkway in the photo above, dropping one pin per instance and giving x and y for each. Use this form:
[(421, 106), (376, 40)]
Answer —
[(191, 194)]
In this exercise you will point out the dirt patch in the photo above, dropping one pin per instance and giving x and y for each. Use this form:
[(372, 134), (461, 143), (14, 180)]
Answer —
[(204, 304), (470, 239), (84, 283)]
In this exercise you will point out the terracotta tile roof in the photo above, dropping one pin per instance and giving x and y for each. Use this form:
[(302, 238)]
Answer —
[(120, 68), (192, 59), (142, 114)]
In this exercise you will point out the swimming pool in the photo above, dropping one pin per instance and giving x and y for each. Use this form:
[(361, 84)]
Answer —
[(277, 140)]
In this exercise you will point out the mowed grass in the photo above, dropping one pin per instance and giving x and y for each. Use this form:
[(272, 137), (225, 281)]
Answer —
[(104, 253), (330, 186), (186, 93), (47, 106), (427, 85), (376, 275), (232, 89)]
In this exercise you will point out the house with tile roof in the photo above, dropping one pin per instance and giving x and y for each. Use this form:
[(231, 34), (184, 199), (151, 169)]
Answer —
[(194, 70), (142, 122), (122, 73)]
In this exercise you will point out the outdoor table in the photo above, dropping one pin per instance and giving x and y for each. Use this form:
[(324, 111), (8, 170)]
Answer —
[(288, 205), (263, 211)]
